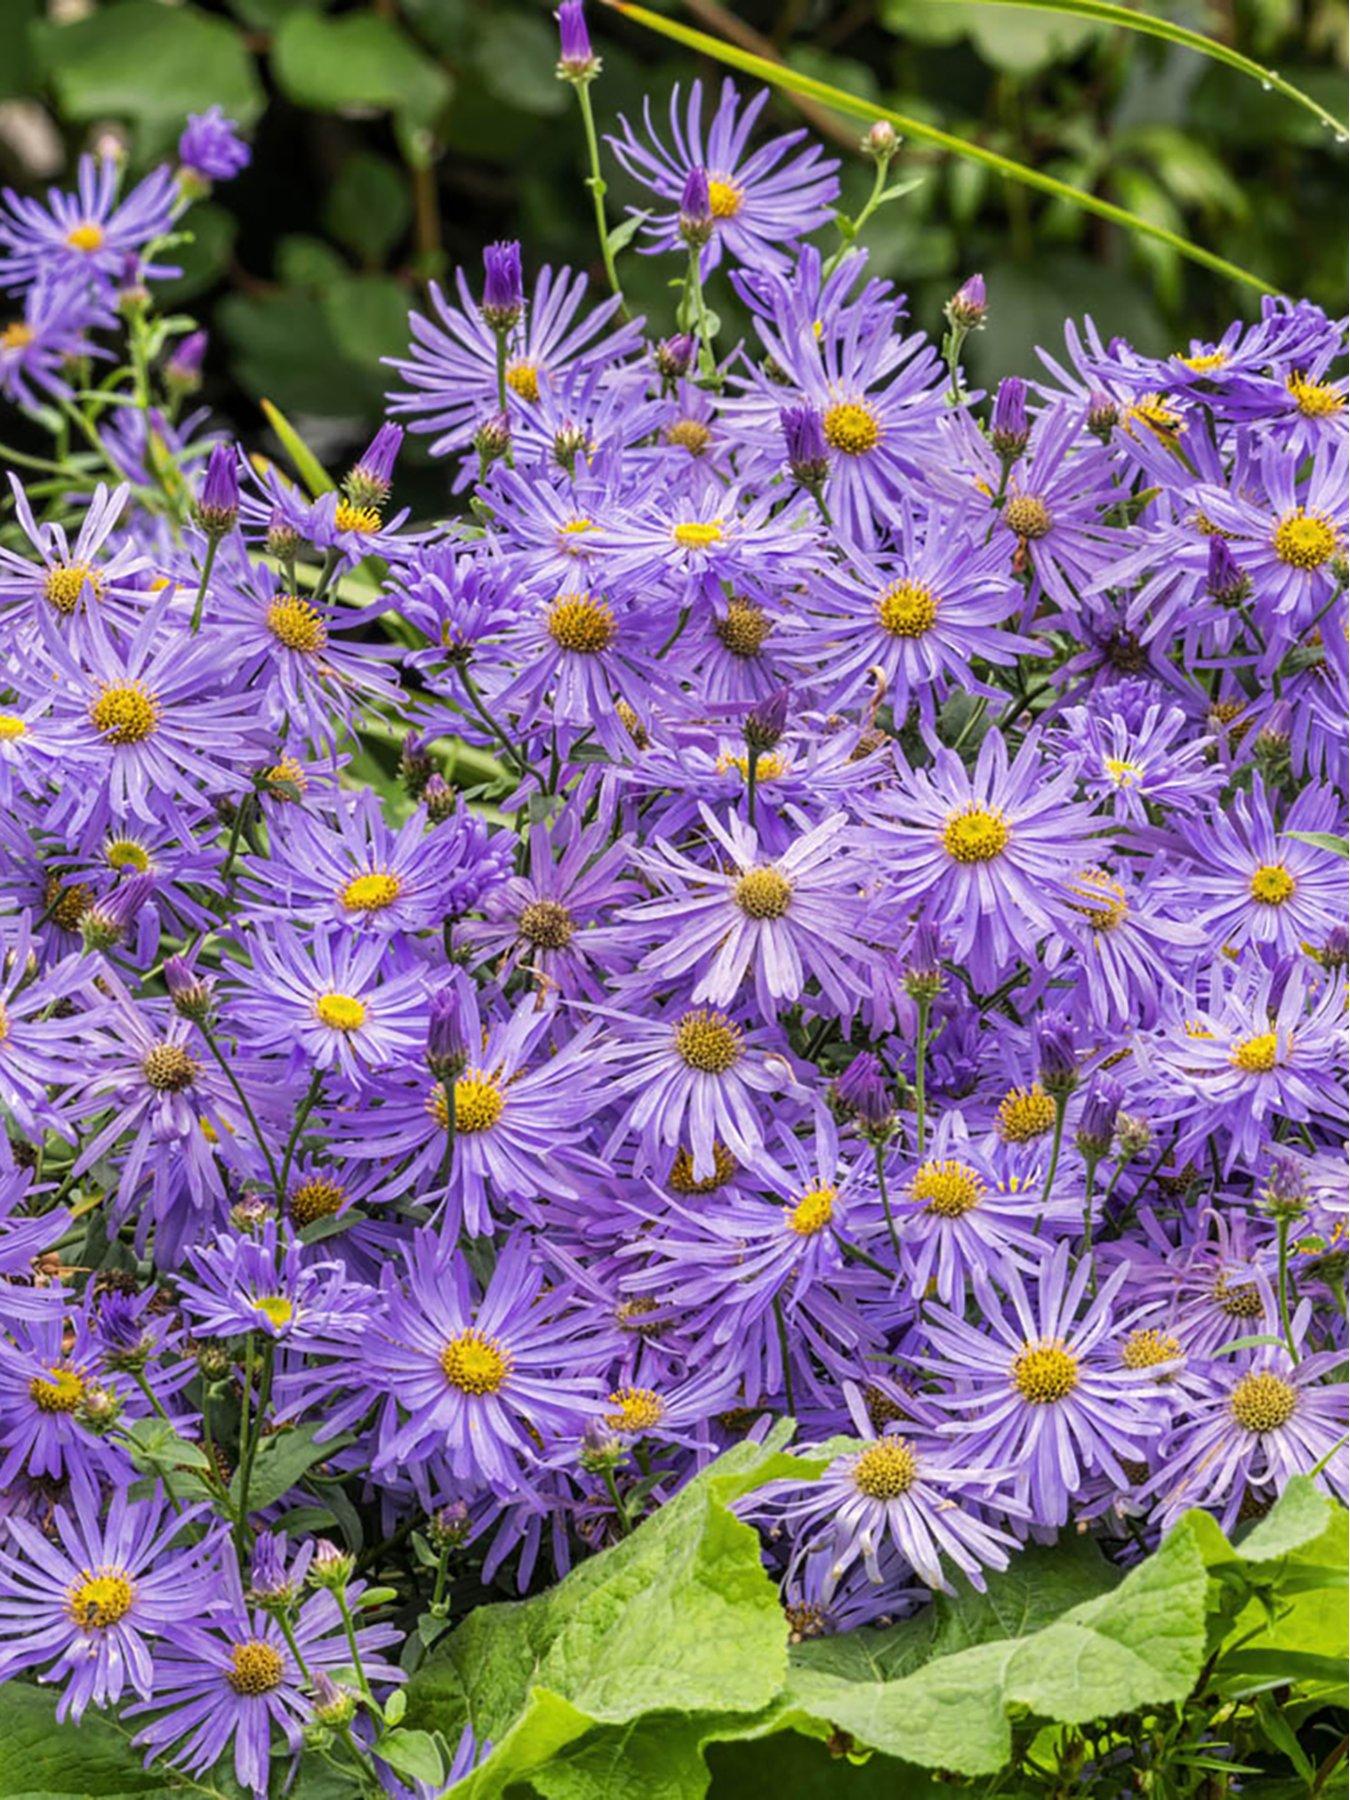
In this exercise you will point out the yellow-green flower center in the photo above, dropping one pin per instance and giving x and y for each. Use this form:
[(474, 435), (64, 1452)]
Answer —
[(636, 1409), (125, 713), (886, 1469), (581, 624), (725, 199), (1272, 885), (168, 1068), (697, 534), (523, 380), (851, 428), (479, 1102), (65, 586), (475, 1363), (370, 893), (297, 624), (11, 727), (949, 1189), (1305, 540), (126, 853), (1263, 1402), (275, 1308), (60, 1390), (763, 894), (255, 1668), (907, 609), (975, 835), (1257, 1055), (100, 1599), (342, 1012), (814, 1211), (87, 237), (1028, 516), (1045, 1373), (1121, 772), (708, 1041)]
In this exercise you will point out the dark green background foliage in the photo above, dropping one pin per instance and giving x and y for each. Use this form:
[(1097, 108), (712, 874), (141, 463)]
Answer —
[(392, 140)]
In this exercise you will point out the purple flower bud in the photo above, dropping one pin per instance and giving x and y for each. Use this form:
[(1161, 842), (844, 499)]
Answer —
[(125, 1340), (370, 477), (765, 722), (448, 1526), (503, 285), (109, 918), (675, 356), (189, 991), (1009, 431), (183, 370), (283, 540), (696, 214), (968, 305), (331, 1568), (333, 1705), (447, 1045), (415, 766), (576, 61), (1335, 952), (492, 440), (440, 799), (923, 963), (1286, 1191), (1056, 1054), (1097, 1122), (861, 1090), (1103, 414), (1224, 577), (218, 503), (807, 454), (270, 1582), (211, 147), (882, 141)]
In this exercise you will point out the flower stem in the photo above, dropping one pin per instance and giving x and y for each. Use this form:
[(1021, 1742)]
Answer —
[(788, 1397), (1286, 1328), (920, 1069), (880, 1155), (1056, 1143), (212, 545), (595, 181)]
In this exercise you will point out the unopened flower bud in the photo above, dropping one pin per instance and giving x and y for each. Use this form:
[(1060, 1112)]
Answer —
[(126, 1342), (440, 800), (1009, 429), (448, 1526), (415, 766), (183, 370), (968, 306), (881, 140), (98, 1408), (765, 722), (1335, 952), (1056, 1055), (370, 478), (249, 1215), (1103, 414), (923, 975), (1134, 1134), (107, 920), (696, 214), (570, 442), (283, 541), (492, 440), (808, 455), (1097, 1122), (190, 992), (270, 1583), (861, 1094), (330, 1566), (333, 1705), (600, 1449), (1285, 1194), (217, 506), (213, 1358), (1224, 576), (675, 356), (503, 285), (447, 1050), (577, 62)]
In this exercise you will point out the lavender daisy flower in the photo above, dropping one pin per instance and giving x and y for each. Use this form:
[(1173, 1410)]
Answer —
[(1127, 764), (211, 148), (69, 580), (234, 1682), (781, 921), (1047, 1399), (35, 1040), (987, 851), (758, 200), (1288, 544), (87, 1602), (272, 1284), (1127, 948), (90, 232), (55, 1395), (451, 370), (321, 1003), (37, 348), (480, 1381)]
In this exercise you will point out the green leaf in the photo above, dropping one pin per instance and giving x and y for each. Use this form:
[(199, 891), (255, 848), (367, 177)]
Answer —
[(622, 235), (281, 1461), (1324, 840), (154, 1445), (679, 1617), (412, 1754), (310, 470), (368, 206), (38, 1756), (151, 65), (777, 75), (359, 60)]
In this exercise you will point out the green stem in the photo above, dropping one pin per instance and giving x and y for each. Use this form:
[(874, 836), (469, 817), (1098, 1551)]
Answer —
[(307, 1106), (212, 545), (1056, 1143), (250, 1440), (621, 1511), (920, 1069), (486, 719), (879, 1153), (1090, 1161), (349, 1628), (596, 183), (448, 1160), (751, 779), (785, 1351), (244, 1101), (702, 326), (850, 237), (1286, 1327)]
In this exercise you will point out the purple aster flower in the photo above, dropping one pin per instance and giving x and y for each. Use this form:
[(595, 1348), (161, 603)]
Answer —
[(1046, 1397), (55, 1393), (987, 851), (1131, 764), (233, 1682), (87, 1601), (35, 1033), (69, 580), (90, 232), (272, 1284), (52, 332), (1289, 541), (211, 147), (479, 1381), (758, 200), (781, 921)]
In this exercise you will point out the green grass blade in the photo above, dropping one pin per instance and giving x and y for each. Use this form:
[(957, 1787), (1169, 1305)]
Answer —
[(310, 470), (1104, 13), (778, 76)]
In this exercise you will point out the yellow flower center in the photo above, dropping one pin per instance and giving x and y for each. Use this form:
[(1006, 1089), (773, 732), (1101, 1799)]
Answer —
[(575, 527), (16, 335), (288, 770), (1028, 516), (1206, 361), (87, 237), (682, 1179), (474, 1363), (1147, 1347), (126, 853), (813, 1212), (708, 1042), (1305, 540), (275, 1308), (11, 727), (319, 1197), (1315, 399), (65, 586), (255, 1668), (852, 428), (725, 199), (1025, 1113), (637, 1409), (479, 1103), (1107, 907), (1241, 1301), (66, 906), (60, 1390), (356, 518), (1045, 1373), (698, 534), (907, 609), (768, 767), (886, 1469), (1272, 885), (371, 892), (343, 1012), (547, 925), (1121, 772), (523, 380), (1256, 1055), (296, 624), (1152, 411), (763, 894), (949, 1189), (102, 1598), (1263, 1402), (168, 1068), (744, 628), (689, 434), (580, 624), (975, 835), (125, 713)]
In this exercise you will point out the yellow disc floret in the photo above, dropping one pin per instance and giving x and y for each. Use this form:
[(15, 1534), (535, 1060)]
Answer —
[(317, 1197), (547, 925), (479, 1102), (87, 237), (851, 428), (168, 1068), (636, 1409), (708, 1041), (1024, 1113), (1263, 1402), (1028, 516), (371, 892), (814, 1211), (1305, 540), (1272, 885), (125, 713), (1045, 1373), (100, 1599), (725, 199), (296, 624), (697, 534), (475, 1363), (364, 519), (948, 1189), (907, 609), (341, 1012), (581, 624), (60, 1390), (523, 380), (256, 1667), (886, 1469), (763, 894), (1147, 1347), (1256, 1055), (975, 835), (12, 727)]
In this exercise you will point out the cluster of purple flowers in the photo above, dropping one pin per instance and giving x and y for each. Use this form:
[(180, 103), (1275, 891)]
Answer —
[(824, 901)]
